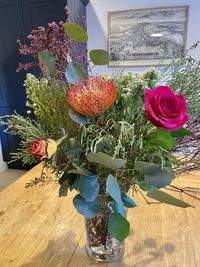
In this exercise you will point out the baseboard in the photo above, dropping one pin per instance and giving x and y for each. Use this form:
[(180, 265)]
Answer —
[(3, 166)]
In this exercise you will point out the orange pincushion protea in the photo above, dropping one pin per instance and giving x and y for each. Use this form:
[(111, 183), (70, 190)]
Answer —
[(93, 96)]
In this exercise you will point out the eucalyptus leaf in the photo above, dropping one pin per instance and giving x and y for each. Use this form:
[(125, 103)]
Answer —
[(147, 187), (71, 180), (144, 167), (75, 32), (75, 72), (158, 177), (180, 133), (64, 189), (73, 148), (127, 201), (46, 58), (118, 226), (87, 209), (163, 139), (168, 199), (106, 160), (114, 191), (153, 174), (99, 57), (79, 170), (120, 209), (77, 117), (89, 187)]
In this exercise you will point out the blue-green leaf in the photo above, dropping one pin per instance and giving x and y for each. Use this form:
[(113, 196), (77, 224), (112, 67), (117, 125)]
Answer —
[(73, 148), (168, 199), (64, 189), (78, 118), (127, 201), (163, 139), (87, 209), (75, 32), (46, 58), (153, 174), (147, 187), (79, 170), (158, 177), (106, 161), (89, 187), (120, 209), (118, 226), (75, 72), (99, 57), (113, 189), (180, 133)]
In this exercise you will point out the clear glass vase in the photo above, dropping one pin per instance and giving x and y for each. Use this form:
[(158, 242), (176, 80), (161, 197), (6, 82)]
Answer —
[(100, 245)]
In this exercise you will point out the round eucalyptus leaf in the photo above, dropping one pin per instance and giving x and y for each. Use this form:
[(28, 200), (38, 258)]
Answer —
[(75, 32), (99, 57), (87, 209), (75, 72), (46, 58)]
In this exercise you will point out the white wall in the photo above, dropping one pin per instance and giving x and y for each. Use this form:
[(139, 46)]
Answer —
[(97, 22)]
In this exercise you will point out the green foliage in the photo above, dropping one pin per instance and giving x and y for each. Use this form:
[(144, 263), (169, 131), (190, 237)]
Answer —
[(113, 189), (75, 32), (183, 75), (146, 187), (162, 138), (79, 170), (78, 118), (153, 174), (180, 133), (48, 100), (27, 130), (75, 72), (118, 226), (73, 148), (106, 161), (89, 187), (47, 59), (122, 135), (63, 191), (99, 57), (127, 201), (87, 209), (151, 76)]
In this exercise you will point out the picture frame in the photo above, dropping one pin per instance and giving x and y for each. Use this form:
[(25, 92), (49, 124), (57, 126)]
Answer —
[(147, 37)]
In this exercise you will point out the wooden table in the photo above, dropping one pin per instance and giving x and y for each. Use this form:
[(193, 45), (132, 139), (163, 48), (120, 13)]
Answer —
[(39, 229)]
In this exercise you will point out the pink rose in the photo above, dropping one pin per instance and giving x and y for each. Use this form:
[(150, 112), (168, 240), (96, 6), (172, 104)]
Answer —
[(39, 149), (43, 149), (165, 109)]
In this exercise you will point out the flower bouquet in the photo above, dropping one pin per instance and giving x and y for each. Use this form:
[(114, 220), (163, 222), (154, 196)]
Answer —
[(107, 138)]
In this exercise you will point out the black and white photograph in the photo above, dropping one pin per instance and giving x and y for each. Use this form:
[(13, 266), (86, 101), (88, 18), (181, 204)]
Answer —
[(147, 36)]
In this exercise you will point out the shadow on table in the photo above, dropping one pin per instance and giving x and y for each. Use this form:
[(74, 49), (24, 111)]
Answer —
[(147, 252), (57, 253)]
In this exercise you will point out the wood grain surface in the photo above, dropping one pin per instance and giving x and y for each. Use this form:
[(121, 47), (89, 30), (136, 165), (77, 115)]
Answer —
[(39, 229)]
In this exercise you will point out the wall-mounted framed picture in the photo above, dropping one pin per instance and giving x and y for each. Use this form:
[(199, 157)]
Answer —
[(147, 37)]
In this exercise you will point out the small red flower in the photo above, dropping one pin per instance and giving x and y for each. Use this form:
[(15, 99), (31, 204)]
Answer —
[(43, 149), (39, 149), (93, 96)]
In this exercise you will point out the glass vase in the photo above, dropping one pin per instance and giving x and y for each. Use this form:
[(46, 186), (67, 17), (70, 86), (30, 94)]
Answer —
[(100, 245)]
